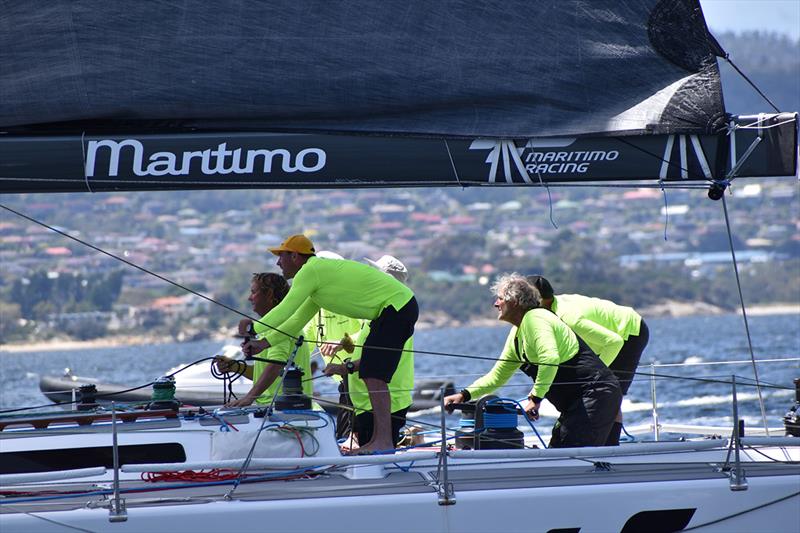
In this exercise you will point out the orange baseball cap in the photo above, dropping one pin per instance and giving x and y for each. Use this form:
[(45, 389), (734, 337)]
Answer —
[(296, 243)]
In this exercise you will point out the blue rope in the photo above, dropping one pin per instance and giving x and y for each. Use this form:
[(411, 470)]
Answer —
[(530, 423), (499, 420)]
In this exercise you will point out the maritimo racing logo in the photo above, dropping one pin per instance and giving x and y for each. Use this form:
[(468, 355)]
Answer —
[(539, 157), (211, 161)]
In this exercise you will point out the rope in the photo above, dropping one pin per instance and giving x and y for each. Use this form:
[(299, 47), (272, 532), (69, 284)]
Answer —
[(666, 208), (753, 85), (744, 315), (453, 164), (549, 198), (146, 271), (83, 162)]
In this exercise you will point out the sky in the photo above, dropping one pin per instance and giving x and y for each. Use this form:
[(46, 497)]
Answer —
[(779, 16)]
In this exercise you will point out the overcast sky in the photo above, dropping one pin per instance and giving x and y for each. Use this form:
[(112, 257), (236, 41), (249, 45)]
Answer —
[(780, 16)]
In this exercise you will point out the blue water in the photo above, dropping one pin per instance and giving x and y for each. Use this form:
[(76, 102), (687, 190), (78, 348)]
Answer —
[(672, 340)]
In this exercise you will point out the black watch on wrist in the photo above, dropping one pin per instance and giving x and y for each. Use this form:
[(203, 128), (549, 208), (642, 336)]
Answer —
[(350, 366)]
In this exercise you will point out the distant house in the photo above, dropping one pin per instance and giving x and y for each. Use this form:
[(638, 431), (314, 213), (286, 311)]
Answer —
[(58, 251)]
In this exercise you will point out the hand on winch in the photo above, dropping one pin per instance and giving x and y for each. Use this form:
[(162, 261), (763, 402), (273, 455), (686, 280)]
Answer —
[(531, 408)]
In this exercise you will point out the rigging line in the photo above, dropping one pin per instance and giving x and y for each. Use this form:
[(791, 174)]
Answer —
[(635, 185), (755, 125), (753, 85), (744, 315), (666, 208), (549, 198), (56, 522), (496, 359), (83, 162), (146, 271), (740, 513), (702, 363), (690, 175), (453, 164)]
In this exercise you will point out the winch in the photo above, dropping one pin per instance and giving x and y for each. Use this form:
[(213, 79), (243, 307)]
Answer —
[(488, 424), (292, 397), (88, 397), (163, 395), (791, 420)]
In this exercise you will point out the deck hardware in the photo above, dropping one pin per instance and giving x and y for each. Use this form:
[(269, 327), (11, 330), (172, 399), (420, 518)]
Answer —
[(444, 488), (738, 479), (602, 466), (116, 509), (656, 428)]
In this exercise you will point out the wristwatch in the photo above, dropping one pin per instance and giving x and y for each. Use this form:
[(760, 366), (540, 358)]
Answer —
[(350, 366)]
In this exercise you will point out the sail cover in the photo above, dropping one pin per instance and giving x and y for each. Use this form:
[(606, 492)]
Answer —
[(451, 68)]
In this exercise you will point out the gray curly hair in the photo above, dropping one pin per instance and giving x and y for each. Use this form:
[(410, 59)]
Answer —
[(515, 288)]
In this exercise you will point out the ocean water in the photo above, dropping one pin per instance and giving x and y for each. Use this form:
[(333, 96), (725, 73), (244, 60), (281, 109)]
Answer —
[(690, 343)]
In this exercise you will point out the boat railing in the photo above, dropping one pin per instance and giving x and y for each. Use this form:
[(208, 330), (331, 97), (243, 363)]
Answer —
[(657, 427)]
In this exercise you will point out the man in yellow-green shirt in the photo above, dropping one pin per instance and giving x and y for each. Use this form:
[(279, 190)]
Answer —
[(266, 291), (400, 387), (616, 333), (352, 289), (564, 369)]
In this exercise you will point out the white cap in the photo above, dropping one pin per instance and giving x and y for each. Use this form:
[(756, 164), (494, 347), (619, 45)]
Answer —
[(325, 254), (392, 266)]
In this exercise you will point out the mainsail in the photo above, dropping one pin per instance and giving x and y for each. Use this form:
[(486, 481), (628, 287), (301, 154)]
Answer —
[(238, 94)]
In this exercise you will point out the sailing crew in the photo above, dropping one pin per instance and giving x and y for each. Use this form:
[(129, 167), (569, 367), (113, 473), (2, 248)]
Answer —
[(564, 369), (352, 289), (616, 333), (266, 291), (326, 330), (402, 383)]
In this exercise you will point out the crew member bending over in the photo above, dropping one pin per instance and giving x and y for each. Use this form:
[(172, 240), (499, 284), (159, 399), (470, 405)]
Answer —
[(400, 387), (352, 289), (563, 368), (616, 333)]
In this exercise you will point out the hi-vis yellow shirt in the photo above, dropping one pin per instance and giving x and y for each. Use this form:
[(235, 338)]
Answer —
[(400, 387), (603, 325), (341, 286), (281, 352), (544, 340), (330, 327)]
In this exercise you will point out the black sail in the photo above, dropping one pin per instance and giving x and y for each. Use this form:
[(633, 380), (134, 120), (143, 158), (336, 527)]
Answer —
[(242, 94)]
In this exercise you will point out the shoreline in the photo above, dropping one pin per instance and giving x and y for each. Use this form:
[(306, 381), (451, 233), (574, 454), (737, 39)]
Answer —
[(663, 310)]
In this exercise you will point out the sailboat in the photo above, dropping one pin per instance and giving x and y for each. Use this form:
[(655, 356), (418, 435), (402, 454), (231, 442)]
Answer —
[(241, 95)]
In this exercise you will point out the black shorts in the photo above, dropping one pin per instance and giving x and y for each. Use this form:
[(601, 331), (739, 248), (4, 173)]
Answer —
[(625, 364), (364, 425), (384, 344)]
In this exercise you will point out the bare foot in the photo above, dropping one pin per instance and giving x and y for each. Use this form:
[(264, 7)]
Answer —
[(349, 445), (374, 447)]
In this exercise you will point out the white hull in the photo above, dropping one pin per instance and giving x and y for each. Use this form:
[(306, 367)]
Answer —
[(596, 508), (646, 486)]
